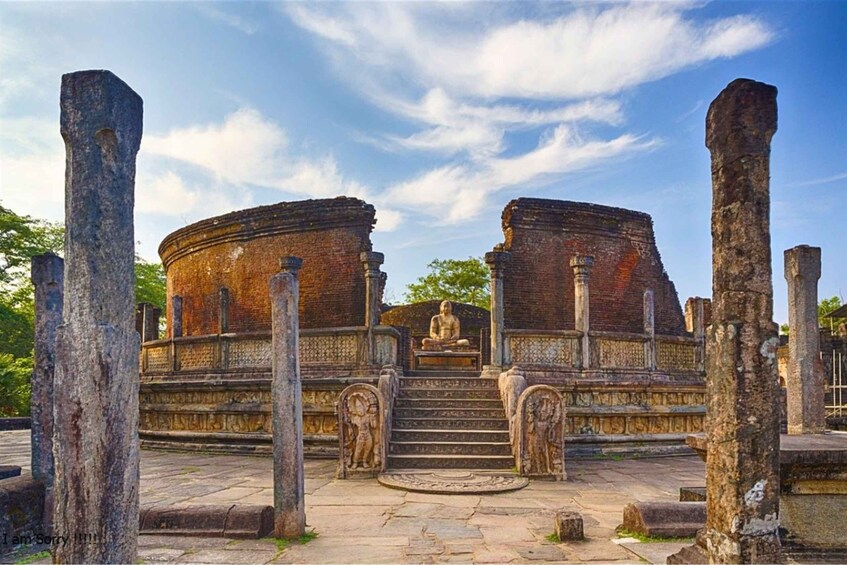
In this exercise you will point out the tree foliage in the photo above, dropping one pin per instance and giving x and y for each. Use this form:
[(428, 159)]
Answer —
[(22, 237), (459, 280), (825, 306)]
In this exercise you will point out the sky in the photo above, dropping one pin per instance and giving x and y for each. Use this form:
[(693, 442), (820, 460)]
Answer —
[(439, 114)]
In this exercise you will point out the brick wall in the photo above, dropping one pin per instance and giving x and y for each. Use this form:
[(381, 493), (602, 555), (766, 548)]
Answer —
[(543, 235), (241, 251)]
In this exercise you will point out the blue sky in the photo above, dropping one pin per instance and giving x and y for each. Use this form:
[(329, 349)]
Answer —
[(439, 114)]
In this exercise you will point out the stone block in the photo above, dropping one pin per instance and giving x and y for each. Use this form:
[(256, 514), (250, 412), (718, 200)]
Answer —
[(9, 471), (568, 526), (21, 510), (665, 519), (220, 520), (692, 494)]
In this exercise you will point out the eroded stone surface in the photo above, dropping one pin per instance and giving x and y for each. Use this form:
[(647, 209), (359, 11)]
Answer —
[(96, 445), (742, 476)]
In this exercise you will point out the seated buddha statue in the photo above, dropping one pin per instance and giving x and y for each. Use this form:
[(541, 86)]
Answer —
[(444, 330)]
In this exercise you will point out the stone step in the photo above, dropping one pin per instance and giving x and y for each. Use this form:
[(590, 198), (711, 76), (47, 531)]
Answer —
[(451, 423), (460, 436), (449, 448), (457, 413), (499, 462), (442, 383), (490, 403), (436, 393), (443, 374)]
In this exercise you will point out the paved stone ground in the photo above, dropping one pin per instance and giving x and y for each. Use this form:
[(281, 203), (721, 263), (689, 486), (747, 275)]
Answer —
[(360, 521)]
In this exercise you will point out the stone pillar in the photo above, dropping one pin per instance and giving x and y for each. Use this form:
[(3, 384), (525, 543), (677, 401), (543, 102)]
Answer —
[(496, 261), (48, 277), (697, 317), (147, 321), (371, 261), (223, 310), (805, 383), (289, 501), (581, 270), (95, 433), (742, 420), (176, 317), (649, 331)]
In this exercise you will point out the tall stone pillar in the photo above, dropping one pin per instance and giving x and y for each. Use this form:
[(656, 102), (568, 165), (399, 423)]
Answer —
[(95, 433), (649, 330), (48, 277), (289, 494), (496, 261), (581, 271), (371, 261), (806, 381), (223, 310), (147, 321), (176, 317), (742, 420), (697, 317)]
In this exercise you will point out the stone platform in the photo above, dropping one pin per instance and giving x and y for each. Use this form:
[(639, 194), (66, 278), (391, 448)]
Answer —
[(447, 360), (813, 487)]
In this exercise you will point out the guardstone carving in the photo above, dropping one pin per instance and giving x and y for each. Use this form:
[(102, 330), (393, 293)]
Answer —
[(540, 433), (361, 431)]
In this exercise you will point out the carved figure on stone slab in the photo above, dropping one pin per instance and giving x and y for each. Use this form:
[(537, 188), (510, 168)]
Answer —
[(361, 431), (541, 429), (444, 329)]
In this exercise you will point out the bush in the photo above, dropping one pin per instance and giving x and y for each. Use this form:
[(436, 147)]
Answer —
[(15, 374)]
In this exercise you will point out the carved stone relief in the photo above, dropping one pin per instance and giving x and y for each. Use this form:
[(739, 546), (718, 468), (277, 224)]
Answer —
[(361, 431), (540, 433)]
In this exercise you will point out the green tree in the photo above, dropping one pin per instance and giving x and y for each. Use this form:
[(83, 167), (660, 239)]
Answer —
[(459, 280), (150, 284), (825, 306), (14, 385)]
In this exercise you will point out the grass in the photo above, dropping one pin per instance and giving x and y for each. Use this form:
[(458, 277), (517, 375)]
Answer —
[(189, 469), (624, 533), (282, 543), (553, 537), (33, 557)]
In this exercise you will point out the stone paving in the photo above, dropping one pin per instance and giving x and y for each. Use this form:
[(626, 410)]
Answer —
[(361, 521)]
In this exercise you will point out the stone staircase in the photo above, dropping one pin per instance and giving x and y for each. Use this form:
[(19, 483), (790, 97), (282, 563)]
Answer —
[(449, 420)]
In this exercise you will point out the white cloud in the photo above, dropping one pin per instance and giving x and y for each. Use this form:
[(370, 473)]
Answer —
[(587, 51), (32, 167), (459, 192)]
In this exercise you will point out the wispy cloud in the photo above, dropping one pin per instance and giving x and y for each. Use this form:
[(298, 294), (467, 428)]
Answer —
[(216, 13), (815, 182), (468, 84)]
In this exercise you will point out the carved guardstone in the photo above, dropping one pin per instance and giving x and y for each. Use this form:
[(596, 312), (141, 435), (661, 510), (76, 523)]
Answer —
[(361, 432), (541, 433), (95, 441)]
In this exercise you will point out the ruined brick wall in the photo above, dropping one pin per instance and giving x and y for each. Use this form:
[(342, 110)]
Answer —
[(240, 251), (543, 235)]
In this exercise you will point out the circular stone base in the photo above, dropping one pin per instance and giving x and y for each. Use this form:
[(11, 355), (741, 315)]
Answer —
[(452, 482)]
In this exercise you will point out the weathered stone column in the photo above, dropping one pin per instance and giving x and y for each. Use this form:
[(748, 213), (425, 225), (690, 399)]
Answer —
[(697, 317), (223, 310), (176, 317), (581, 270), (95, 433), (649, 331), (371, 261), (496, 261), (289, 501), (147, 321), (48, 277), (742, 421), (805, 382)]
